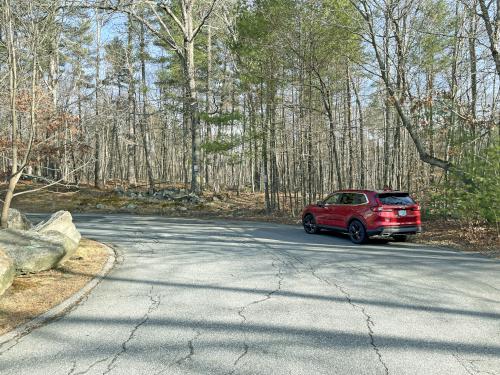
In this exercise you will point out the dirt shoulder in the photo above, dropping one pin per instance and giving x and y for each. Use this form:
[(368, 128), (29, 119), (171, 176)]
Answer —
[(463, 236), (472, 237), (32, 295)]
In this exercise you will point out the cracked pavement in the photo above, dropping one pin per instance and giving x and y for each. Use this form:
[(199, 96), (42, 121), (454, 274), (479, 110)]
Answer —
[(217, 297)]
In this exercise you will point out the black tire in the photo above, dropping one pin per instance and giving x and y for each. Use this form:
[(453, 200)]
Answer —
[(400, 237), (357, 232), (309, 224)]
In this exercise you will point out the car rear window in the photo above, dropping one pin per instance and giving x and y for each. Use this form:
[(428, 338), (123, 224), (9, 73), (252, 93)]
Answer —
[(395, 199)]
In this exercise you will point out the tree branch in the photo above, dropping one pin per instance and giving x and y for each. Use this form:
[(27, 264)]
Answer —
[(51, 184), (204, 20), (171, 14)]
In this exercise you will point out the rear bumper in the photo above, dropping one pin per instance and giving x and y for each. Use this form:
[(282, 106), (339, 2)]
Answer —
[(390, 230)]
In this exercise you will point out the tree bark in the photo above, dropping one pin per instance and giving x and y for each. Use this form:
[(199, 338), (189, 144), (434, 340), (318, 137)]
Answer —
[(187, 11), (145, 118), (12, 62), (131, 144), (98, 152), (492, 29)]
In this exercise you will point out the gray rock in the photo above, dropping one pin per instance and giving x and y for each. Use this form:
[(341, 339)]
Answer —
[(219, 197), (181, 197), (67, 243), (131, 206), (100, 206), (183, 208), (32, 251), (7, 272), (193, 198), (168, 194), (119, 190), (62, 222), (17, 220)]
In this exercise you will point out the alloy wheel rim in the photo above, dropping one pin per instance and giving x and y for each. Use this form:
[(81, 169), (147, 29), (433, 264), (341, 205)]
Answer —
[(308, 224), (355, 231)]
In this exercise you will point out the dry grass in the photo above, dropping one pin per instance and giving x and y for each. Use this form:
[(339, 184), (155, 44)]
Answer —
[(32, 295), (465, 236)]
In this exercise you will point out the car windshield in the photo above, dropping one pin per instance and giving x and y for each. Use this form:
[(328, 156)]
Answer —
[(395, 199)]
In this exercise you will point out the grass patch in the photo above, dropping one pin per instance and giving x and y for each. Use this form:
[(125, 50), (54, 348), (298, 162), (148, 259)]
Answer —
[(32, 295)]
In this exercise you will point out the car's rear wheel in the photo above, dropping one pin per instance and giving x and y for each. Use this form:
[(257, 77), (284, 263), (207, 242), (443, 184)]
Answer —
[(357, 232), (309, 224), (400, 237)]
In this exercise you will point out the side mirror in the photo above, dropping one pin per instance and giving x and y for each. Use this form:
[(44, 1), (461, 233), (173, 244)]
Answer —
[(320, 204)]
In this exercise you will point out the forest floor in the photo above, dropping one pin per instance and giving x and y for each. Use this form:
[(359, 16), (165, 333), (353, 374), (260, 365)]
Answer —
[(33, 294), (464, 236)]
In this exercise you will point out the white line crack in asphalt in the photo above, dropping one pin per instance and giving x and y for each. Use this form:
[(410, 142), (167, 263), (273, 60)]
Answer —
[(368, 319), (154, 304), (268, 296), (242, 310), (190, 346)]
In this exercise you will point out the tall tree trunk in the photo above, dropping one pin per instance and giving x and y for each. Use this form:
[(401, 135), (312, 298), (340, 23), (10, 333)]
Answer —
[(264, 148), (145, 118), (98, 152), (492, 29), (12, 63), (208, 136), (350, 146), (131, 142), (361, 164), (193, 94), (473, 68)]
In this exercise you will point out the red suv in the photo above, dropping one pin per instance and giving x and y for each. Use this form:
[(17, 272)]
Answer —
[(365, 213)]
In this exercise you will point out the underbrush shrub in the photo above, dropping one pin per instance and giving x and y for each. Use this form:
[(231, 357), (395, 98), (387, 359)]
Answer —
[(473, 195)]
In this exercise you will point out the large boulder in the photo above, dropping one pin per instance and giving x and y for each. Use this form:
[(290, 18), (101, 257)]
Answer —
[(7, 272), (32, 251), (17, 220), (61, 222), (61, 239)]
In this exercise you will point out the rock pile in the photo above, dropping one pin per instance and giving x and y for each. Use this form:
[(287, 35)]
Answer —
[(27, 249), (173, 195)]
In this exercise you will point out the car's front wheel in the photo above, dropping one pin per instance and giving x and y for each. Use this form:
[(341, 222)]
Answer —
[(357, 232), (309, 224)]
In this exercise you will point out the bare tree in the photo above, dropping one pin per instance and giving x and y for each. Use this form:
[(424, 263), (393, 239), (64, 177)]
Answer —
[(366, 12), (168, 24), (492, 25)]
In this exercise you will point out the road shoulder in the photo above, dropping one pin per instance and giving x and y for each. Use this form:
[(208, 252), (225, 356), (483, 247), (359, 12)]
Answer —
[(37, 299)]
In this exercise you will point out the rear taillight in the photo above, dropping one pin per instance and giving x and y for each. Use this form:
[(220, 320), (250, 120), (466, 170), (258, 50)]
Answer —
[(380, 209), (416, 208)]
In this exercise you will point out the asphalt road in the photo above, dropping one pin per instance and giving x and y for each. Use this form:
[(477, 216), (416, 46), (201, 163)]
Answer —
[(218, 297)]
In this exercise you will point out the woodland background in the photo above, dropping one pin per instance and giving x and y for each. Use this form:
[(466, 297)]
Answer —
[(288, 98)]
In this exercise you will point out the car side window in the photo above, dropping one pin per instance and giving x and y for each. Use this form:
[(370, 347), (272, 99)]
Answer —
[(347, 198), (332, 199), (359, 199)]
